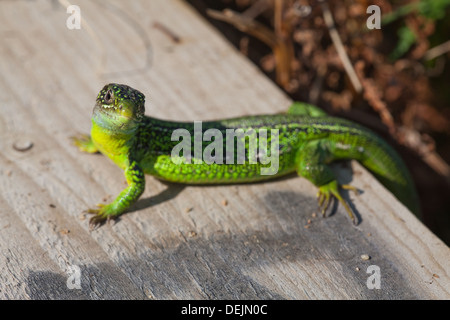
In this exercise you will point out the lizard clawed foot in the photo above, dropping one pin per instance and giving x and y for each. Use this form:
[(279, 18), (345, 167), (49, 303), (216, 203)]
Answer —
[(328, 190), (324, 199), (351, 188), (84, 143), (102, 215)]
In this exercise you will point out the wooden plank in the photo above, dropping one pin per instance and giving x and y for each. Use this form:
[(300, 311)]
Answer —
[(221, 242)]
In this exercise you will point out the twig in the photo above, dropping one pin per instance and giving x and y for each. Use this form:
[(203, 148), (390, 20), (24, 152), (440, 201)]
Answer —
[(245, 24), (329, 21), (437, 51), (164, 29), (373, 97), (417, 142), (256, 9), (279, 41), (284, 50)]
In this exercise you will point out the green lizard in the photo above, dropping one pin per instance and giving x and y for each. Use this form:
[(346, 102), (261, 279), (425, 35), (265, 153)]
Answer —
[(308, 141)]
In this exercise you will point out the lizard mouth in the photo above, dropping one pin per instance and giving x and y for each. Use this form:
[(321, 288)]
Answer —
[(104, 107)]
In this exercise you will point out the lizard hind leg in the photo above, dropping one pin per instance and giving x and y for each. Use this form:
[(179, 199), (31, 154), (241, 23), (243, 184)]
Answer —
[(331, 189), (312, 161), (305, 109)]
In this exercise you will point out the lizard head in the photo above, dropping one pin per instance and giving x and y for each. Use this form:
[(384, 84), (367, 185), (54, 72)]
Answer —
[(120, 103)]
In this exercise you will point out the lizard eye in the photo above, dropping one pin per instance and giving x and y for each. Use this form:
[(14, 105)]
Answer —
[(108, 97)]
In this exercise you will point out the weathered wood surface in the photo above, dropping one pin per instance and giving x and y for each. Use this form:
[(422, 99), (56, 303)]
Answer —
[(247, 241)]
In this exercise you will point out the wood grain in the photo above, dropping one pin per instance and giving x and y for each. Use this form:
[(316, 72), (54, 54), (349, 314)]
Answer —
[(256, 241)]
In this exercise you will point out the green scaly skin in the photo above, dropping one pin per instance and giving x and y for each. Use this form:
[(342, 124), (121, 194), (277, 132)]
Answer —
[(309, 141)]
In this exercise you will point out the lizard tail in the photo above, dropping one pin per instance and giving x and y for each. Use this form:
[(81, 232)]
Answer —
[(385, 163)]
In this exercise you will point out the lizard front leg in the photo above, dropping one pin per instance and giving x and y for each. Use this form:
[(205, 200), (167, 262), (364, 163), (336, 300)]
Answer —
[(136, 184), (84, 143)]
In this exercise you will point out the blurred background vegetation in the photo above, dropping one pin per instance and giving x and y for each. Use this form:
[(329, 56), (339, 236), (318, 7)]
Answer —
[(394, 80)]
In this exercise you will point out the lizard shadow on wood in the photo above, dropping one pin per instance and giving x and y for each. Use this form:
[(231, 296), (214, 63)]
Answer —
[(173, 189)]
